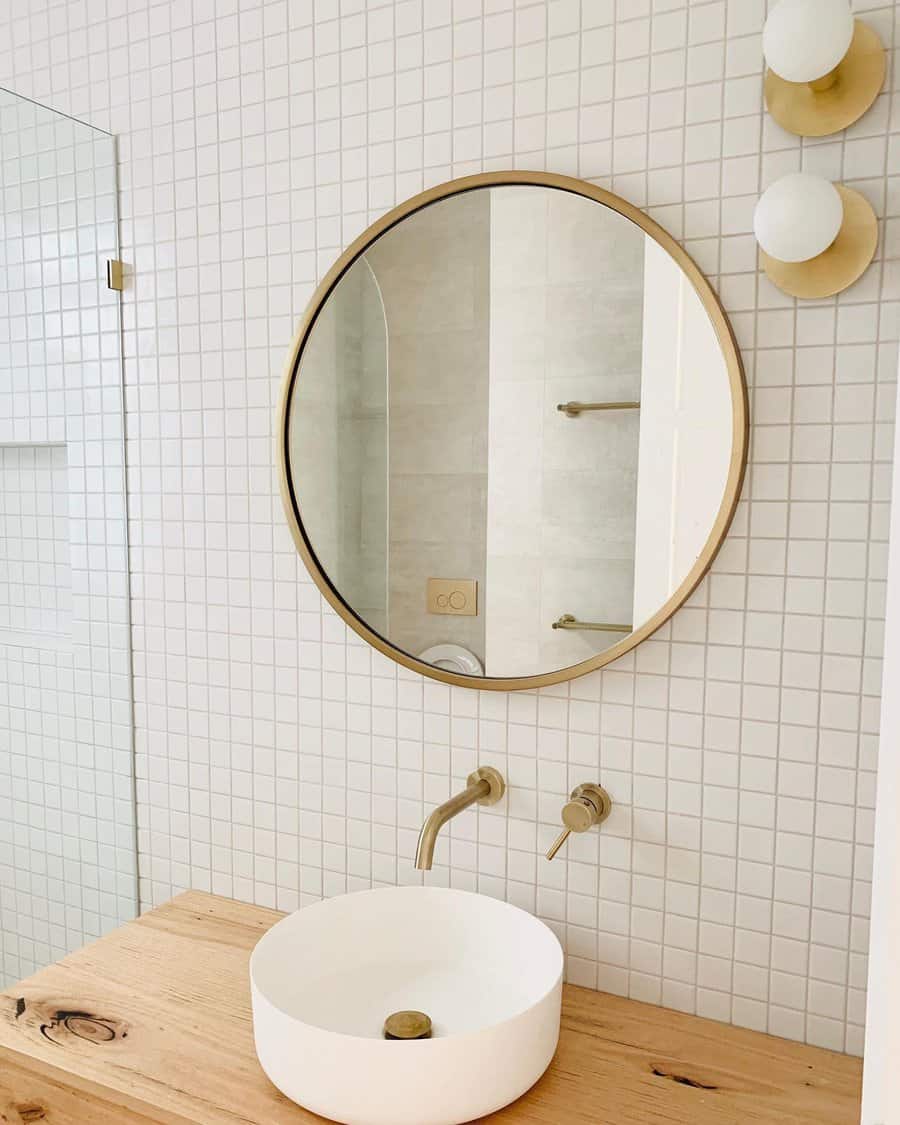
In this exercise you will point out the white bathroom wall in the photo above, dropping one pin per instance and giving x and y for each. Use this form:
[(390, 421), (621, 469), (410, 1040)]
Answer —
[(881, 1080), (279, 758), (67, 817)]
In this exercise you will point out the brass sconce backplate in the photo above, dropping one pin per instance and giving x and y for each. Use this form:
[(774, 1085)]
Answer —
[(843, 263), (821, 108)]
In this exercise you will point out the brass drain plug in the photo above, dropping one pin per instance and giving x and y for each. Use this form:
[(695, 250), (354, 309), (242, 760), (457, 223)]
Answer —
[(407, 1025)]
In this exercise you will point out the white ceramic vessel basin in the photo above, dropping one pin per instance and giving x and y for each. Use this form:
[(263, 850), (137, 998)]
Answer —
[(325, 978)]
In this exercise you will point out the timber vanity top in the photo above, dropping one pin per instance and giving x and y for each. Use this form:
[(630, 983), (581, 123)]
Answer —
[(152, 1024)]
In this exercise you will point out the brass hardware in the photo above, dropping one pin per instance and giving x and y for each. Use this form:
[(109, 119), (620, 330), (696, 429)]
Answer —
[(573, 409), (567, 621), (458, 596), (831, 103), (844, 262), (485, 786), (587, 805), (820, 85), (739, 424), (115, 274), (407, 1025)]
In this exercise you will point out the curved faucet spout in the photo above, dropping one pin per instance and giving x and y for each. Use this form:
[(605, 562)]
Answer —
[(485, 786)]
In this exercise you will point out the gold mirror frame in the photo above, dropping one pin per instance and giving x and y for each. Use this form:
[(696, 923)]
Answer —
[(740, 426)]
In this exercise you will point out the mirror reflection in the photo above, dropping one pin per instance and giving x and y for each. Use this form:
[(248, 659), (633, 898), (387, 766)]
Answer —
[(511, 431)]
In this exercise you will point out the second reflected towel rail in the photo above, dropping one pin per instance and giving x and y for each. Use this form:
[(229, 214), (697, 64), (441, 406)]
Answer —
[(573, 409), (567, 621)]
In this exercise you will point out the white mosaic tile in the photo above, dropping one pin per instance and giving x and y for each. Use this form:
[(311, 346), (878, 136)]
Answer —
[(278, 758)]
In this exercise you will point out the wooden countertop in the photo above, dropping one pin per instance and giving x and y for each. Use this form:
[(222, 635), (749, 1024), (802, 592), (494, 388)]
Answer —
[(152, 1024)]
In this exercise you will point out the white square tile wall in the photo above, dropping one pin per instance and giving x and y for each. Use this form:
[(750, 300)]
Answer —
[(35, 574), (279, 759), (67, 821), (35, 676)]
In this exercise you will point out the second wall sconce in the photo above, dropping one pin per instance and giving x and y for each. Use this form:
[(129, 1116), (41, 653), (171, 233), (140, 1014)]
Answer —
[(817, 238), (825, 68)]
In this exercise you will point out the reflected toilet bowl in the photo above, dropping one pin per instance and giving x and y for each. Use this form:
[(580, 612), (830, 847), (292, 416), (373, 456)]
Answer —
[(453, 658)]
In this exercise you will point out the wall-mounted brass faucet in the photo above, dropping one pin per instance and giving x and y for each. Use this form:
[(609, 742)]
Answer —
[(587, 805), (485, 786)]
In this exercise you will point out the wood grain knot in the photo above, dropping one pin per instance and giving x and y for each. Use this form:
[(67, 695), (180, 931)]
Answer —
[(79, 1025), (68, 1026), (681, 1079), (29, 1113)]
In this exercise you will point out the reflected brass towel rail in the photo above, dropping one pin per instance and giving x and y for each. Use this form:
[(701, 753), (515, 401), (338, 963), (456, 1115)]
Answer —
[(567, 621), (573, 409)]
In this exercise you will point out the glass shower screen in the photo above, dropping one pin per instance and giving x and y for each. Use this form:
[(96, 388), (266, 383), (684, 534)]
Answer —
[(67, 820)]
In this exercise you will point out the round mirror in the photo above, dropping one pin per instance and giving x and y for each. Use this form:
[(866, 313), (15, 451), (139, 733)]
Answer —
[(513, 430)]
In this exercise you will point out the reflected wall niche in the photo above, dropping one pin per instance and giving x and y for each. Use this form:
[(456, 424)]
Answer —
[(67, 826)]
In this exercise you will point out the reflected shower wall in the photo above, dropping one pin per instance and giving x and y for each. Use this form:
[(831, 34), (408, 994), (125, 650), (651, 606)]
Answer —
[(68, 869), (562, 490), (434, 276), (425, 439), (341, 440)]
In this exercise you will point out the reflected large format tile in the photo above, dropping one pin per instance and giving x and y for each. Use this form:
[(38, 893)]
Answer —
[(580, 497), (518, 355), (610, 348), (437, 508), (512, 604), (417, 299), (605, 438), (603, 537), (518, 236), (445, 439), (516, 424), (438, 368), (583, 238), (588, 591)]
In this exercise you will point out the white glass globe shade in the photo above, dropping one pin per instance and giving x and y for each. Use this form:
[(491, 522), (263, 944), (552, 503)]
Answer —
[(805, 39), (798, 217)]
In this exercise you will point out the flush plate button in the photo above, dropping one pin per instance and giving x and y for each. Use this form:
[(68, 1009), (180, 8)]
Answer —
[(457, 596)]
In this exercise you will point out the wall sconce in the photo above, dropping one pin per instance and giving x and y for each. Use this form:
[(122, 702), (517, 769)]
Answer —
[(816, 238), (825, 68)]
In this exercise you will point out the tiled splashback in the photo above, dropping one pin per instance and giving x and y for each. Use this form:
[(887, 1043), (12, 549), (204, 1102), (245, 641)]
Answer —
[(280, 759)]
